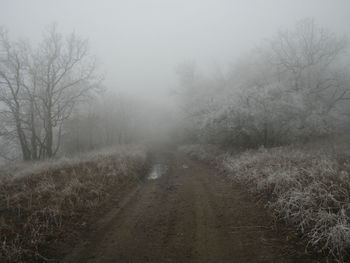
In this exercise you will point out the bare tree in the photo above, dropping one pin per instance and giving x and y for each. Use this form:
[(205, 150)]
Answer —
[(309, 57), (39, 89), (13, 76), (64, 74)]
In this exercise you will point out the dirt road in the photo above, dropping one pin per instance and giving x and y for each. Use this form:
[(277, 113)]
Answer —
[(188, 214)]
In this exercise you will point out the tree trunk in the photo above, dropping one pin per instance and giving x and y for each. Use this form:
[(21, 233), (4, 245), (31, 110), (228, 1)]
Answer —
[(26, 155), (49, 138), (33, 141)]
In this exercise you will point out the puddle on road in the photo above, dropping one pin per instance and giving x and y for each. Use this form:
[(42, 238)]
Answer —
[(157, 171)]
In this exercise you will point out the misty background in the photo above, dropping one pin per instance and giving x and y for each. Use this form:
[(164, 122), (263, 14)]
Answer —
[(145, 50), (140, 43)]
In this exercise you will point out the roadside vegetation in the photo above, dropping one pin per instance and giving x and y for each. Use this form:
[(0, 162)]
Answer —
[(307, 188), (265, 123), (44, 204)]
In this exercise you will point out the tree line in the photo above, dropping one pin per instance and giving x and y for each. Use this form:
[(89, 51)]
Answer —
[(294, 87)]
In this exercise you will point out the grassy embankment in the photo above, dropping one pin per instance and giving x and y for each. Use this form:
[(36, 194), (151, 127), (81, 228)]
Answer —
[(44, 204)]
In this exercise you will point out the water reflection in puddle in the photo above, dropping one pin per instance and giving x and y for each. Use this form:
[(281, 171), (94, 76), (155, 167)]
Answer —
[(157, 171)]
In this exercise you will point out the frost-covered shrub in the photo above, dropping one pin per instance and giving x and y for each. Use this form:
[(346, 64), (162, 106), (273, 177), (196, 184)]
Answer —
[(308, 189)]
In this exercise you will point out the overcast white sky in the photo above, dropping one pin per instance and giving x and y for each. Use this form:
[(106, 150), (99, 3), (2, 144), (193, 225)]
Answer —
[(139, 43)]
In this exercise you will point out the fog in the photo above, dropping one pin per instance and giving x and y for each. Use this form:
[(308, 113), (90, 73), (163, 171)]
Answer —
[(140, 45), (175, 131)]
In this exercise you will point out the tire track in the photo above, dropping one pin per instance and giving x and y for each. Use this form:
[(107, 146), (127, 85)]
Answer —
[(190, 214)]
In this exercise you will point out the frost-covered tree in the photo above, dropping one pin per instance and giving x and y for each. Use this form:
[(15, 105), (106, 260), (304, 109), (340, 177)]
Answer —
[(293, 87)]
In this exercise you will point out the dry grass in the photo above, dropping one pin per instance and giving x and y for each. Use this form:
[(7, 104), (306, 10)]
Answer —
[(42, 205), (309, 189)]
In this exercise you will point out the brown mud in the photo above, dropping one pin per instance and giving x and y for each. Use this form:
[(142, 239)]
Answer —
[(189, 213)]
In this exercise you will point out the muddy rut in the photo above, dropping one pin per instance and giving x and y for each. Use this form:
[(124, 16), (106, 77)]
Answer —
[(186, 212)]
